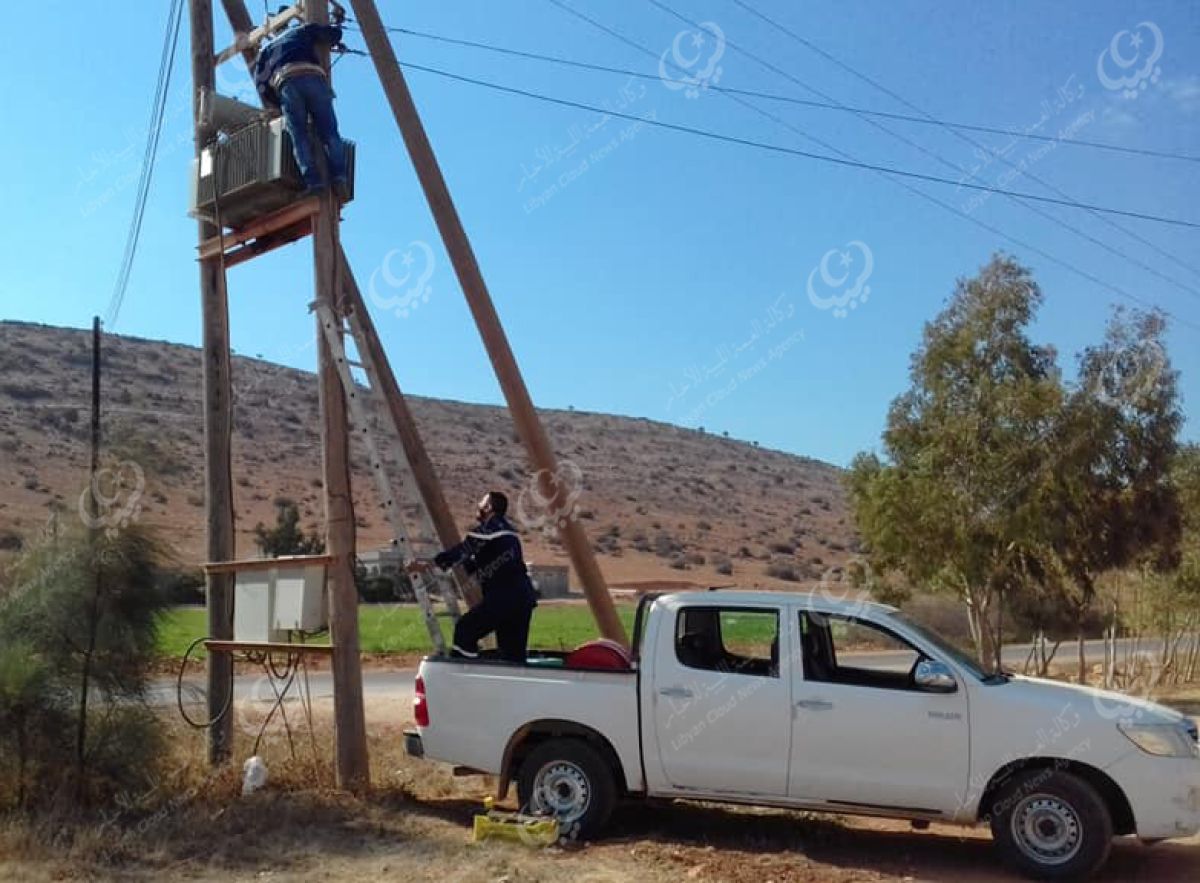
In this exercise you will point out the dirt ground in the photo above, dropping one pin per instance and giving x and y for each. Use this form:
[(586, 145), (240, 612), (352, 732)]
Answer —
[(416, 825)]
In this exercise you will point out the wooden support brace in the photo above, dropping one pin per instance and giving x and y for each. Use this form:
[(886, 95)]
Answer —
[(264, 244), (284, 220), (273, 25)]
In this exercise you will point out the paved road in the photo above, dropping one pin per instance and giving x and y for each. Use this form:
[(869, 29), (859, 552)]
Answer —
[(398, 684)]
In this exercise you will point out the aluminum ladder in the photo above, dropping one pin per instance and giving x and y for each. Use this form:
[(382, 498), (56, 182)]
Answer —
[(371, 421)]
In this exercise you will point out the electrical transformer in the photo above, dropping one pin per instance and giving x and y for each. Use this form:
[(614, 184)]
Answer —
[(250, 172)]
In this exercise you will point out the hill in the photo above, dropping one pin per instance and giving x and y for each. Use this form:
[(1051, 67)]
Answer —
[(658, 501)]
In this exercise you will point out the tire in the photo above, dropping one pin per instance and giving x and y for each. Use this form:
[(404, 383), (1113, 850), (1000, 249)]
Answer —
[(1051, 825), (570, 780)]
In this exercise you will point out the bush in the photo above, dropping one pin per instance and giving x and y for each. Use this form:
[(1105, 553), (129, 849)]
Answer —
[(783, 571), (666, 546), (78, 621), (782, 548), (724, 567)]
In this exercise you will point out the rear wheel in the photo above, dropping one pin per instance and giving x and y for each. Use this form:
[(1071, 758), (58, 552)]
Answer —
[(569, 780), (1052, 825)]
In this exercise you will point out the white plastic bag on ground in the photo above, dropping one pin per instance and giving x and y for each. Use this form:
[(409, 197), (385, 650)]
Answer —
[(254, 775)]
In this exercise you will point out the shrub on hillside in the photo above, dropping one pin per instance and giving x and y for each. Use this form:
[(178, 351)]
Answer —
[(783, 571)]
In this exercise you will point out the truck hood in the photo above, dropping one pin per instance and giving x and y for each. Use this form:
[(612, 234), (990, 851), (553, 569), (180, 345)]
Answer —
[(1056, 697)]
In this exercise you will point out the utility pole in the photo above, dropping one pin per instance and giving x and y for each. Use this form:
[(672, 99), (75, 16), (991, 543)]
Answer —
[(93, 512), (218, 415), (466, 267), (350, 729), (426, 478)]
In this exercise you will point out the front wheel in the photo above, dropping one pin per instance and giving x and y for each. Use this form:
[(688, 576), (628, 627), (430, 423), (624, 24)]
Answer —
[(569, 780), (1052, 825)]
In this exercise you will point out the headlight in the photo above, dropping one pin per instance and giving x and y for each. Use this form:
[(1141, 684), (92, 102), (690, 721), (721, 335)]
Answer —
[(1161, 740)]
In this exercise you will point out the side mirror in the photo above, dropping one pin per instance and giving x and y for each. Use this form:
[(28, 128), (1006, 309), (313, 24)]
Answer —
[(934, 677)]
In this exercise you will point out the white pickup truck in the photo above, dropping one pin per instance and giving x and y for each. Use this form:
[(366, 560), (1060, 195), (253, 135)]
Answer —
[(825, 705)]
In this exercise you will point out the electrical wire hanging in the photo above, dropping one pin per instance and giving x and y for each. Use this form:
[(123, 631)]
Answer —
[(928, 197), (157, 113), (868, 115), (966, 139), (792, 99), (805, 154)]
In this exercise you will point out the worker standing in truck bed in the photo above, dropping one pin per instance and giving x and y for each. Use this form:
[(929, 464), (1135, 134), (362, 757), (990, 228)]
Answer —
[(491, 552)]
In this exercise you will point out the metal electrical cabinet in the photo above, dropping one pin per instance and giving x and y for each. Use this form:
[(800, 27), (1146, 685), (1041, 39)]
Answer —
[(271, 602)]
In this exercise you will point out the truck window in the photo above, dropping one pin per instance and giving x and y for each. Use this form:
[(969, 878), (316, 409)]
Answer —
[(728, 639), (845, 650)]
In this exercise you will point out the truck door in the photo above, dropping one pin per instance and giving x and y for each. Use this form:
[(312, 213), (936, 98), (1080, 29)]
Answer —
[(863, 732), (721, 710)]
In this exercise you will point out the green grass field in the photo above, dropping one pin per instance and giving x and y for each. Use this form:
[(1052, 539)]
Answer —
[(397, 628)]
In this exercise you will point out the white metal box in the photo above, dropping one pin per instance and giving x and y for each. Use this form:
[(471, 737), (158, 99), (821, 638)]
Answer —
[(300, 598), (254, 607)]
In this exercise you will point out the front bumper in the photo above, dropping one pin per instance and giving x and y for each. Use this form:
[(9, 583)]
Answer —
[(412, 744), (1164, 793)]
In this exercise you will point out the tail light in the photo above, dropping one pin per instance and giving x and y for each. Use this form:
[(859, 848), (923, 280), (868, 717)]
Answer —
[(420, 706)]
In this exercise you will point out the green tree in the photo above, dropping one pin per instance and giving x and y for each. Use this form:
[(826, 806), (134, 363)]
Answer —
[(78, 619), (947, 505), (286, 537), (1107, 501)]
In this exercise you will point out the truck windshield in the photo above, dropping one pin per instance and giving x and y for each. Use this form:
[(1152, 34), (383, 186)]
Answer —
[(947, 649)]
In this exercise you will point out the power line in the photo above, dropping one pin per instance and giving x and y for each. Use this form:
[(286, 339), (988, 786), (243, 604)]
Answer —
[(1083, 274), (578, 105), (805, 154), (157, 112), (1038, 210), (831, 105), (965, 138), (802, 102)]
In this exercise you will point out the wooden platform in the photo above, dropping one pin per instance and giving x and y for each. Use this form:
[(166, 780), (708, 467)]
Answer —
[(263, 234), (267, 647), (248, 564)]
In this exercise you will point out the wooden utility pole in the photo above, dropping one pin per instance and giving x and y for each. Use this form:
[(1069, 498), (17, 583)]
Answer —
[(466, 267), (218, 416), (418, 457), (350, 729)]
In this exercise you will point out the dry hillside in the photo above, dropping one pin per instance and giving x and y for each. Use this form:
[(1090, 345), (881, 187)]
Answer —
[(659, 502)]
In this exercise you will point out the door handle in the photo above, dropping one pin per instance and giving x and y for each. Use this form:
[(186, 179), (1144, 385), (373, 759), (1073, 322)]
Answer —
[(675, 692), (815, 704)]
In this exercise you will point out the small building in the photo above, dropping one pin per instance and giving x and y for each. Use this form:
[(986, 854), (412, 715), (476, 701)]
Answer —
[(383, 562), (551, 580)]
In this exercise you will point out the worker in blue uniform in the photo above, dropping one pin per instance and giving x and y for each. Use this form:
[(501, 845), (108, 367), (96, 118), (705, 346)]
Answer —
[(491, 552), (288, 75)]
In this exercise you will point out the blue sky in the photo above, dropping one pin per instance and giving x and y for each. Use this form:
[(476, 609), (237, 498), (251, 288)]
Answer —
[(641, 271)]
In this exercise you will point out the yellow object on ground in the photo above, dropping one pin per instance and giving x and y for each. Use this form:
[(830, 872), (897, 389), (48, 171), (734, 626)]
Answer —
[(536, 831)]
